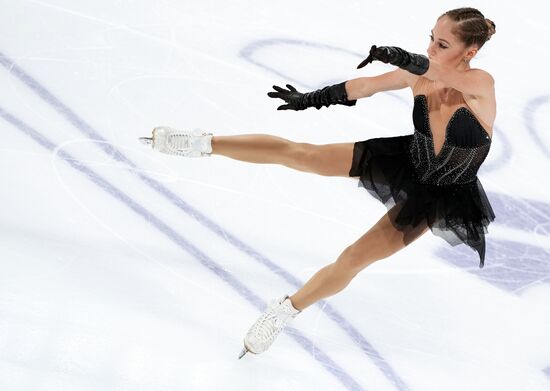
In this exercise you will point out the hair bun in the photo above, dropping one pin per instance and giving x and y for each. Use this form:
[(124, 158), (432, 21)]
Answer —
[(492, 27)]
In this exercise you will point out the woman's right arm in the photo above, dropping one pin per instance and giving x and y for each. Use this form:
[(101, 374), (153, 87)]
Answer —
[(344, 93), (367, 86)]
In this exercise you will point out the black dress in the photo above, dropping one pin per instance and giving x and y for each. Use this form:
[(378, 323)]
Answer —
[(441, 190)]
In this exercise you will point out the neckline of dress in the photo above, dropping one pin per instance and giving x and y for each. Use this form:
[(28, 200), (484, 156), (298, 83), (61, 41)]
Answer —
[(427, 113)]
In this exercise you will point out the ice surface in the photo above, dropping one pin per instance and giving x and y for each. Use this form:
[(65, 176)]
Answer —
[(123, 269)]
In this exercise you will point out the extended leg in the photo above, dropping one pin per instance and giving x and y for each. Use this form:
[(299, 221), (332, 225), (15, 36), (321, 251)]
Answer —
[(328, 159)]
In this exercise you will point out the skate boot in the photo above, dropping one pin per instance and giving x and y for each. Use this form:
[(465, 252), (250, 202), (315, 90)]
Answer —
[(175, 142), (262, 333)]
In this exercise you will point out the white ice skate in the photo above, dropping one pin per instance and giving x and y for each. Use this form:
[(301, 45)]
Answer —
[(262, 333), (175, 142)]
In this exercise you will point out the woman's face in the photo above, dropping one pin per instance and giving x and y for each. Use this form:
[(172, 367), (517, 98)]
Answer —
[(444, 46)]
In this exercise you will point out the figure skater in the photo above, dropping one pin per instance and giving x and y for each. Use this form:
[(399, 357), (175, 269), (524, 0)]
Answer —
[(427, 179)]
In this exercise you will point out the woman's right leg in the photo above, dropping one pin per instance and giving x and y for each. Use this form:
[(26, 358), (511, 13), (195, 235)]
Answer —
[(381, 241), (327, 160)]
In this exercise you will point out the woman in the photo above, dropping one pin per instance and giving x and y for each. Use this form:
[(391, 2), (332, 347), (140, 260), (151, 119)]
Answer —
[(427, 179)]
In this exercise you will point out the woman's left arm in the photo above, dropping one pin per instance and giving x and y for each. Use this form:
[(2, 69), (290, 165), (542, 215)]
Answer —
[(475, 82)]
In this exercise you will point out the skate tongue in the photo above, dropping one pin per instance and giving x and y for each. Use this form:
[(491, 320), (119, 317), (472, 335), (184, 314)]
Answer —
[(146, 140)]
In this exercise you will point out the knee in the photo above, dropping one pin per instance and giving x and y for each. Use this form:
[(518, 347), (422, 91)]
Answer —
[(302, 155), (354, 259)]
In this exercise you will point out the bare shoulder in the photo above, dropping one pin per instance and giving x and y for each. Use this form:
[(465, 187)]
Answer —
[(482, 75), (483, 101), (484, 80), (474, 82)]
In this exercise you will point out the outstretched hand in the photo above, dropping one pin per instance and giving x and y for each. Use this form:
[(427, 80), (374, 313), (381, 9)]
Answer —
[(382, 53), (417, 64), (292, 97)]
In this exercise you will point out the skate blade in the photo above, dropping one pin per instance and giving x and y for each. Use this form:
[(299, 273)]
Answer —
[(146, 140), (244, 351)]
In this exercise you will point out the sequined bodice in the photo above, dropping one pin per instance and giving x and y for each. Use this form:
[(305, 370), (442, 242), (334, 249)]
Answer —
[(465, 147)]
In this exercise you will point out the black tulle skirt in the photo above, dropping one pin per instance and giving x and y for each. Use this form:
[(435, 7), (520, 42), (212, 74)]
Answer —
[(459, 214)]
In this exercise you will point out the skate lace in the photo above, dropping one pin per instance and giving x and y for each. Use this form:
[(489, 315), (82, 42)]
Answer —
[(268, 326), (178, 141)]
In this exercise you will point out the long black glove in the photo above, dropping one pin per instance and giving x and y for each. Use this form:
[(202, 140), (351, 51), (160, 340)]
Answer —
[(326, 96), (414, 63)]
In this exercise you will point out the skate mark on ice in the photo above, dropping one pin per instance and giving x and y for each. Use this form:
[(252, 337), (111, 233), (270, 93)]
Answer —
[(114, 153), (184, 244)]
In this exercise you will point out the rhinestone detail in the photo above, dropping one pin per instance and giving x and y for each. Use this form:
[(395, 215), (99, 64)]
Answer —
[(453, 164)]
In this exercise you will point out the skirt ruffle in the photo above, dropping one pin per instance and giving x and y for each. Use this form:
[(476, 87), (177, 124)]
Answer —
[(460, 214)]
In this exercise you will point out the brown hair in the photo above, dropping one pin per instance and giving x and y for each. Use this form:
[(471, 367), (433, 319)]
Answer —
[(472, 28)]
